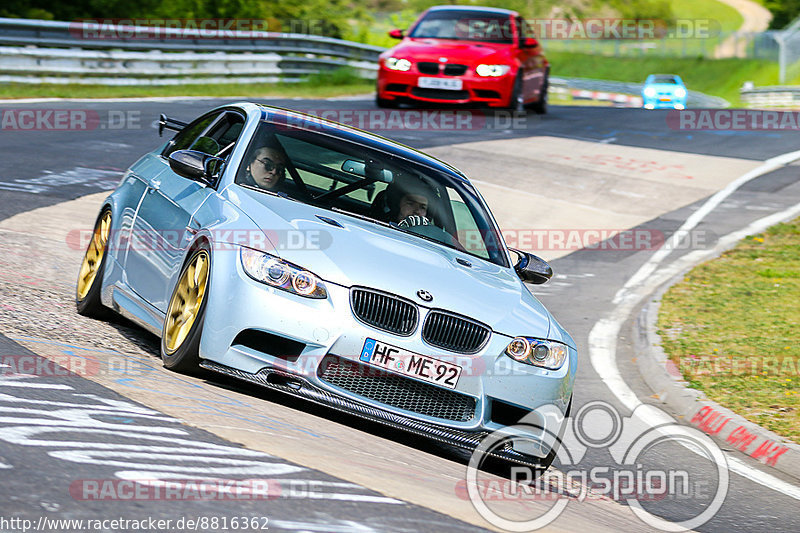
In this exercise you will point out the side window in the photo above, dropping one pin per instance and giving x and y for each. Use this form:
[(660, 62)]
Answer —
[(190, 134), (222, 135), (468, 233), (525, 29)]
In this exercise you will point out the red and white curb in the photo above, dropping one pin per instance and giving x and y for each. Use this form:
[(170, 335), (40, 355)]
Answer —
[(626, 100)]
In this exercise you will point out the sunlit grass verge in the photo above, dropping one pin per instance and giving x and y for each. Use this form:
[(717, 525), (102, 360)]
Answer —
[(732, 328), (717, 77), (318, 86)]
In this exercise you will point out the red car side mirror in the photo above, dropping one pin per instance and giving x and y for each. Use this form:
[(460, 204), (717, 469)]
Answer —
[(396, 34), (530, 42)]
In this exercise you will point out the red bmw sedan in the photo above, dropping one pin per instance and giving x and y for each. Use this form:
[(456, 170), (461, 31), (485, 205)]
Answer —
[(461, 55)]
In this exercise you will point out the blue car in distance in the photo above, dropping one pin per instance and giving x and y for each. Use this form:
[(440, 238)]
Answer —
[(664, 91)]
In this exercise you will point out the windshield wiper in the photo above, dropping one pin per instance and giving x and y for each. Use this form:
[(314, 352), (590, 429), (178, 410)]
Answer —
[(364, 217)]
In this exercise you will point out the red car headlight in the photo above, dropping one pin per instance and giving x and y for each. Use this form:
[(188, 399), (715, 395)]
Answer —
[(492, 71), (393, 63)]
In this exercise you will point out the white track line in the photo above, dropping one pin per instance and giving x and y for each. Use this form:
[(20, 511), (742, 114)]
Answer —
[(648, 268), (603, 336)]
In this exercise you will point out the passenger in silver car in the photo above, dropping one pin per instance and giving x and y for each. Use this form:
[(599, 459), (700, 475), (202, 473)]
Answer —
[(267, 169)]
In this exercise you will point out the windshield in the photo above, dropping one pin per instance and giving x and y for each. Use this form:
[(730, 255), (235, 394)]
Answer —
[(664, 79), (386, 189), (465, 26)]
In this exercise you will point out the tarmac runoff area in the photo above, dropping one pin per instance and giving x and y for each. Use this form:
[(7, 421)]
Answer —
[(543, 183), (556, 195)]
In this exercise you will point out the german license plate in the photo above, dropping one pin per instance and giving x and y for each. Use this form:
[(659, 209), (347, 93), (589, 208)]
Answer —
[(410, 364), (450, 84)]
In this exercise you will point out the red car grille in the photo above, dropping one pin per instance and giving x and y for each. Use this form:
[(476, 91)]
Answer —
[(427, 67)]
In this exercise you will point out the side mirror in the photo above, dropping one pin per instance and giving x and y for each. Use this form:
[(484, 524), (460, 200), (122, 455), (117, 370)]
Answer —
[(396, 34), (530, 42), (196, 166), (532, 268)]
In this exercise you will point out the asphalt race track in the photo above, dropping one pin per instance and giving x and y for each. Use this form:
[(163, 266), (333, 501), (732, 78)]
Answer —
[(70, 441)]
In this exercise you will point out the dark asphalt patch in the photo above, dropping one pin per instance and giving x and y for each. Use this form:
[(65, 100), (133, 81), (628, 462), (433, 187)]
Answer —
[(774, 181)]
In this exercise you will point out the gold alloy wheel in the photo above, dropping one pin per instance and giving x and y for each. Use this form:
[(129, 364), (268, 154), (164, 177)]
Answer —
[(185, 304), (94, 255)]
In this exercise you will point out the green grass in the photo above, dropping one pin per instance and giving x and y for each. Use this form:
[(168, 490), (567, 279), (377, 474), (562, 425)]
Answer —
[(729, 19), (707, 16), (718, 77), (321, 86), (732, 325)]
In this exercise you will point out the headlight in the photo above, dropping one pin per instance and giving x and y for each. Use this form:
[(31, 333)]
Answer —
[(492, 71), (680, 92), (392, 63), (649, 91), (538, 352), (281, 275)]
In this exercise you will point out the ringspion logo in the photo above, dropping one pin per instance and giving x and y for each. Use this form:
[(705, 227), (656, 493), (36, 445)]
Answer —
[(629, 442)]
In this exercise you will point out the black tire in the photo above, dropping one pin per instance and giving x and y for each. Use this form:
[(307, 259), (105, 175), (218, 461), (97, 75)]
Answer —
[(540, 106), (384, 103), (515, 101), (185, 357), (89, 304)]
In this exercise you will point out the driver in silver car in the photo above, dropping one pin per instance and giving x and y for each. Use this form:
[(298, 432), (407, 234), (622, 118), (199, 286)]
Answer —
[(406, 202)]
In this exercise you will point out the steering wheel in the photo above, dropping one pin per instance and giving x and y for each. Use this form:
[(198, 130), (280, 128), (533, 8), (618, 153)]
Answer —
[(415, 224)]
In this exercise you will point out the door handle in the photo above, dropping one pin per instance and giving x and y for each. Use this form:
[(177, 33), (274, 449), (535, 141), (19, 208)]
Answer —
[(154, 185)]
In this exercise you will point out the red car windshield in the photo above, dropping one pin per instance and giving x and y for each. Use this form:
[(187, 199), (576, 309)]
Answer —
[(465, 26)]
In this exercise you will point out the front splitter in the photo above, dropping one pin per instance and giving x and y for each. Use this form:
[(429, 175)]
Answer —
[(302, 388)]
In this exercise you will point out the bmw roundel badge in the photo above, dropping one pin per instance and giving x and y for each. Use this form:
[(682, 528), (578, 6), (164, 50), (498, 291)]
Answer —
[(424, 295)]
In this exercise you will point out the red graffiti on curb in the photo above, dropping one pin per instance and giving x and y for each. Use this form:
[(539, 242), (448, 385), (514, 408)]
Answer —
[(712, 422)]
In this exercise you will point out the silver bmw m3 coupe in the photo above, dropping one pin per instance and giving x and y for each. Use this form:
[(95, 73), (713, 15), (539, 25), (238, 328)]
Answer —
[(338, 266)]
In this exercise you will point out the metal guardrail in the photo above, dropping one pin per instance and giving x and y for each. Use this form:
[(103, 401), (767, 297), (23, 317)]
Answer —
[(38, 51), (53, 34), (775, 96)]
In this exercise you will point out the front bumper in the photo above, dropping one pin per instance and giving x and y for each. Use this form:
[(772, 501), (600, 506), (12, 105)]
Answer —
[(397, 85), (323, 329), (663, 102)]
